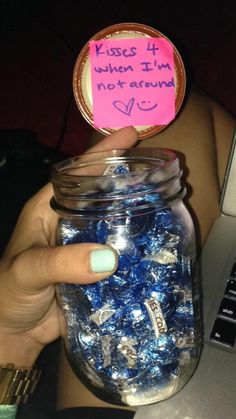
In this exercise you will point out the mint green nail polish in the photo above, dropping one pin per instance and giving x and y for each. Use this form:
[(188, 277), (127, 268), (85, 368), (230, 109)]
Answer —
[(102, 260)]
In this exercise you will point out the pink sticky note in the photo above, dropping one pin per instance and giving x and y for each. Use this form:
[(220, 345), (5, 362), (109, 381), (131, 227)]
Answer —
[(133, 82)]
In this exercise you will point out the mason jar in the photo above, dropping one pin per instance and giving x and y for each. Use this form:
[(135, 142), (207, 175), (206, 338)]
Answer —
[(133, 338)]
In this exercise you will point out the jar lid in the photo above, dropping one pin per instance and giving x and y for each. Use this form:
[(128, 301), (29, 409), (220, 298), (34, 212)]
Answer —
[(135, 76)]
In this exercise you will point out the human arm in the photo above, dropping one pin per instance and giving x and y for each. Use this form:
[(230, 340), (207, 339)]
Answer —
[(31, 266)]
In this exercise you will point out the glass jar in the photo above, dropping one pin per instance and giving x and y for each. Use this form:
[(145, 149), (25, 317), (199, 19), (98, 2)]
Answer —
[(133, 338)]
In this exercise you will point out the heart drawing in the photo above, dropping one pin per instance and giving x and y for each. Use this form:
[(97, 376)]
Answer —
[(125, 108)]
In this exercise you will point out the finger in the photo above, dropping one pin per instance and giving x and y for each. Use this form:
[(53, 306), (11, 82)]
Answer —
[(84, 263), (37, 222), (90, 163), (122, 138)]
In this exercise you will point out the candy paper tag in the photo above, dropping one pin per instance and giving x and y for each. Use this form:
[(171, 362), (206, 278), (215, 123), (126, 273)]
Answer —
[(156, 316), (133, 82)]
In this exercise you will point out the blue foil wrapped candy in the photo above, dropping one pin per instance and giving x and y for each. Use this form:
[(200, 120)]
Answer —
[(134, 337)]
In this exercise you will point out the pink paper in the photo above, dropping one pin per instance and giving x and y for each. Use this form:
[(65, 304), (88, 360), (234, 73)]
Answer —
[(133, 82)]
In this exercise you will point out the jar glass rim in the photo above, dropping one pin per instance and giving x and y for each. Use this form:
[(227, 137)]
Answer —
[(158, 158)]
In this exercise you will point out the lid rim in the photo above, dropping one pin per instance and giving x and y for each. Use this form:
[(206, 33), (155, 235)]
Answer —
[(106, 33)]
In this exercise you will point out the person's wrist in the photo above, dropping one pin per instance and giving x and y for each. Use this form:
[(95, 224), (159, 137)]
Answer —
[(17, 384), (19, 375), (22, 352)]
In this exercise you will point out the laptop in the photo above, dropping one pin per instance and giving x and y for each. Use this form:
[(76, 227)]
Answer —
[(211, 392)]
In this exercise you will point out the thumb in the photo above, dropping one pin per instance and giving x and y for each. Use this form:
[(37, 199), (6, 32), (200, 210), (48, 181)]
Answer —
[(84, 263)]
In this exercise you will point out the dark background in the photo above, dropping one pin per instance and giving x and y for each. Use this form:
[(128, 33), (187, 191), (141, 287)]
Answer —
[(39, 43), (39, 120)]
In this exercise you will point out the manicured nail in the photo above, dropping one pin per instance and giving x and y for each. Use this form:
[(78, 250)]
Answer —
[(102, 260)]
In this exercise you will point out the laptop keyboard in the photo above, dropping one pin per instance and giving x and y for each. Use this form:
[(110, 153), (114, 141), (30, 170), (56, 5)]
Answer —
[(224, 329)]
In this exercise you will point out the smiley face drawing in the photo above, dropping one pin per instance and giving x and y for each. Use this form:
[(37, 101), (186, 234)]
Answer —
[(146, 106), (127, 107)]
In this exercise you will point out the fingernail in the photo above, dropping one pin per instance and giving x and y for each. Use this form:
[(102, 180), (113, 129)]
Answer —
[(102, 260)]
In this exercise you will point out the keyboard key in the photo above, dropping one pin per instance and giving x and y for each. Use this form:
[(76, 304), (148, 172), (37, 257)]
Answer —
[(231, 288), (233, 271), (228, 308), (224, 332)]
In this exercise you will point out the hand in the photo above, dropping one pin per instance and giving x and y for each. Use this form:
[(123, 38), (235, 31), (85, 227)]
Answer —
[(32, 265)]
